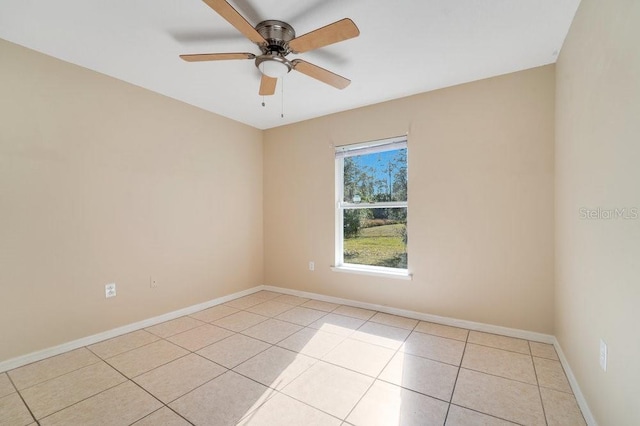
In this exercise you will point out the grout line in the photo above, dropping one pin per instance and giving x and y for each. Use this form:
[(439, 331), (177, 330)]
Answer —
[(488, 415), (535, 370), (153, 412), (157, 399), (381, 370), (276, 391), (495, 375), (455, 382), (152, 369), (127, 351), (501, 349), (179, 415), (85, 399), (22, 399), (265, 341), (59, 375)]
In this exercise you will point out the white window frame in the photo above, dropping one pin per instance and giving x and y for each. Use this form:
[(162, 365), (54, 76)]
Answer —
[(342, 152)]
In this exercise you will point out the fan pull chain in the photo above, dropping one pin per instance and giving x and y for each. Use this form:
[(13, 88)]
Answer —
[(263, 104), (282, 93)]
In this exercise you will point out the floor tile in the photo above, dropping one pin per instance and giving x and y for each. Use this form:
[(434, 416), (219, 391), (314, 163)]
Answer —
[(442, 330), (141, 360), (459, 416), (385, 404), (312, 342), (121, 405), (175, 326), (13, 411), (49, 368), (53, 395), (551, 375), (5, 385), (337, 324), (222, 401), (329, 363), (214, 313), (320, 305), (270, 308), (282, 410), (360, 356), (434, 347), (498, 362), (329, 388), (351, 311), (199, 337), (239, 321), (543, 350), (245, 302), (266, 294), (179, 377), (382, 335), (394, 320), (507, 399), (272, 330), (301, 316), (275, 367), (124, 343), (233, 350), (500, 342), (291, 300), (162, 417), (422, 375), (561, 408)]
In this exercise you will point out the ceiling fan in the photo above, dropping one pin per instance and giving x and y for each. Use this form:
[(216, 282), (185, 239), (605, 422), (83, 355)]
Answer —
[(276, 39)]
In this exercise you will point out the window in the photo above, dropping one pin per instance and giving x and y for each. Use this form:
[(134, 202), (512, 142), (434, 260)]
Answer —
[(371, 207)]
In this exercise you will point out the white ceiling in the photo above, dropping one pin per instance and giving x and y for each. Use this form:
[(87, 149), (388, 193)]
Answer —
[(405, 47)]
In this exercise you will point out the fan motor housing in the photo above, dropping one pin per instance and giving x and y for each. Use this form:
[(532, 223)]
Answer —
[(278, 35)]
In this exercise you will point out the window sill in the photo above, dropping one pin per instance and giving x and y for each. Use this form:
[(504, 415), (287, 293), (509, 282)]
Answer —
[(399, 274)]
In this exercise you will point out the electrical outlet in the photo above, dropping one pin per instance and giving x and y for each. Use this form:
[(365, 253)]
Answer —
[(110, 290), (603, 355), (312, 265), (153, 283)]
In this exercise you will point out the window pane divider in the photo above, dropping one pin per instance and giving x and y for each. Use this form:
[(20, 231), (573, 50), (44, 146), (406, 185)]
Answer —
[(379, 205)]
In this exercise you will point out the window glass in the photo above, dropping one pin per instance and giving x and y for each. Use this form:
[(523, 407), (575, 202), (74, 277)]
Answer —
[(375, 237), (371, 184)]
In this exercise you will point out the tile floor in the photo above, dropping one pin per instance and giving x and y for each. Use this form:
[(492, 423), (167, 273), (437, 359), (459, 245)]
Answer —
[(273, 359)]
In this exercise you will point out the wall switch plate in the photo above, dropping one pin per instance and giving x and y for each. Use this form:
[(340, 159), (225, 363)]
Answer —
[(153, 283), (110, 290), (603, 355), (312, 266)]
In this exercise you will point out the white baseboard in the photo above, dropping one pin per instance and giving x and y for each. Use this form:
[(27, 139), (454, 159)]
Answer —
[(12, 363), (470, 325), (582, 402)]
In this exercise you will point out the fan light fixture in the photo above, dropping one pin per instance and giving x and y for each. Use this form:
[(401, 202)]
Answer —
[(273, 66)]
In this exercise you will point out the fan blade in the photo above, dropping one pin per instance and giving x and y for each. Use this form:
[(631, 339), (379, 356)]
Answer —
[(232, 16), (267, 85), (332, 33), (320, 74), (199, 57)]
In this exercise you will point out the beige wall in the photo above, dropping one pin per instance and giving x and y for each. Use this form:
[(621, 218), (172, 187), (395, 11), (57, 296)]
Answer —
[(598, 166), (101, 181), (480, 196)]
